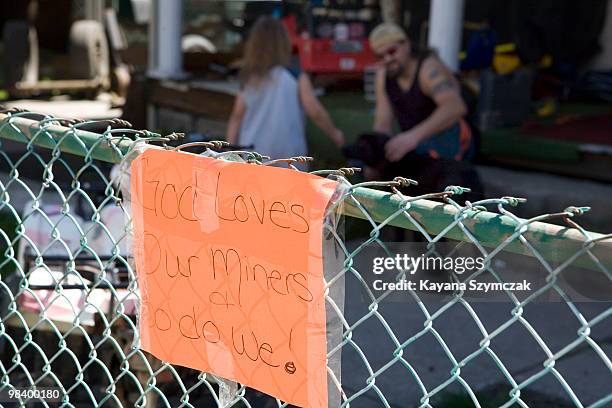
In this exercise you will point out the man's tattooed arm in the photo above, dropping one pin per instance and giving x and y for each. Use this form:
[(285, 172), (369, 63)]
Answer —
[(442, 86)]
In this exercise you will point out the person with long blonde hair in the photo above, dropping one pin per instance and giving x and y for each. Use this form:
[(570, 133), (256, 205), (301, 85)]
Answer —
[(268, 112)]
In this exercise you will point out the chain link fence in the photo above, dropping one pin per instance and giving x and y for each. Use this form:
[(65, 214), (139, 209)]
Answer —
[(69, 295)]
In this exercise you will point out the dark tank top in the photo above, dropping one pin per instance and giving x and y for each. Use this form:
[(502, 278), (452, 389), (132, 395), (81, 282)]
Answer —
[(410, 107)]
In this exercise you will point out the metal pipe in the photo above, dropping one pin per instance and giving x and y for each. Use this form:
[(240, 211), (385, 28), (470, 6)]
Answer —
[(554, 242), (23, 130)]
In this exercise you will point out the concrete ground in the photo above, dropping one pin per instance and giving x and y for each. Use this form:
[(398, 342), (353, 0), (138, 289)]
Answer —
[(548, 193), (583, 370), (456, 331)]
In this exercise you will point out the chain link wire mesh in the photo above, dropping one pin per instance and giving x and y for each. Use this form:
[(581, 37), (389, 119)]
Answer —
[(68, 293)]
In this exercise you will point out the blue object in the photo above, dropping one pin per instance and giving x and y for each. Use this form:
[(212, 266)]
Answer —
[(480, 50), (446, 144)]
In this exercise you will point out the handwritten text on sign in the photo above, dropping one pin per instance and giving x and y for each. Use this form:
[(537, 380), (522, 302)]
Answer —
[(229, 262)]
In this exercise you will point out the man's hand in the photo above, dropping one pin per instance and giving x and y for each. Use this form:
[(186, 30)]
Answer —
[(400, 145)]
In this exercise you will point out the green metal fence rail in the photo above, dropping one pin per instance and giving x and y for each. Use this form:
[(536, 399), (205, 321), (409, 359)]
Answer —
[(57, 247)]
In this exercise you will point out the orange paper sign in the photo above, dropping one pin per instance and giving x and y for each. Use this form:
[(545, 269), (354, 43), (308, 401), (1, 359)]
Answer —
[(229, 264)]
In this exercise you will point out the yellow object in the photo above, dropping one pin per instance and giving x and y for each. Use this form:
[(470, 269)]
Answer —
[(475, 26), (546, 61), (548, 108), (505, 64), (502, 48)]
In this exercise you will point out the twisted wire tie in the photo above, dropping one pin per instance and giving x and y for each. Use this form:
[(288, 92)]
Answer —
[(290, 160), (514, 201)]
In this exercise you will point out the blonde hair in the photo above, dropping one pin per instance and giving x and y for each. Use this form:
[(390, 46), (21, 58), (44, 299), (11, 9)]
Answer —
[(268, 45), (386, 33)]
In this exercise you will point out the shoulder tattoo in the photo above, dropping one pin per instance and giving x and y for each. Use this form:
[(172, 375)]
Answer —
[(434, 73), (442, 86)]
